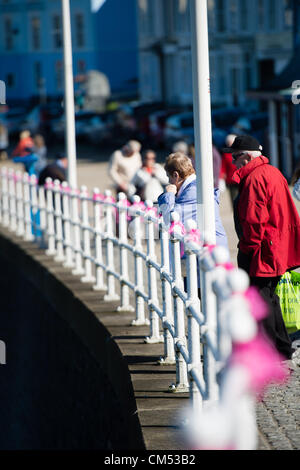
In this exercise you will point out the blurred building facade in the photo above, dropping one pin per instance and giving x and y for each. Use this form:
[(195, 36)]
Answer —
[(250, 42), (31, 45), (116, 45)]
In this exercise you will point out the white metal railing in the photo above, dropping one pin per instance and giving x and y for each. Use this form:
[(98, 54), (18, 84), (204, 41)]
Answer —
[(87, 232)]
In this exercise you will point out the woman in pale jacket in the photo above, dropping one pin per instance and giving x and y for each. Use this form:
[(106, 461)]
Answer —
[(124, 164), (150, 180)]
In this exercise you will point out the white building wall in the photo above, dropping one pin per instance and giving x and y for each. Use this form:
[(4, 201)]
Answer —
[(241, 34)]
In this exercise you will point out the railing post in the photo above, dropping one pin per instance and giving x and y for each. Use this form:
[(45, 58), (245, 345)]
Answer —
[(209, 308), (43, 214), (78, 270), (111, 293), (68, 263), (5, 200), (169, 356), (58, 222), (28, 236), (12, 200), (34, 207), (100, 285), (123, 238), (181, 366), (138, 269), (88, 276), (193, 326), (20, 208), (50, 218), (155, 336)]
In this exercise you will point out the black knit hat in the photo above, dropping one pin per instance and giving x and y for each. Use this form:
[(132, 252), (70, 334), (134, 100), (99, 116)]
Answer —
[(243, 142)]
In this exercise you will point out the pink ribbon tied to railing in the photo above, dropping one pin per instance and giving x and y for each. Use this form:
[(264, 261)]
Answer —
[(151, 209), (49, 185), (139, 205), (172, 229), (194, 236), (209, 247), (98, 197), (175, 224), (126, 203)]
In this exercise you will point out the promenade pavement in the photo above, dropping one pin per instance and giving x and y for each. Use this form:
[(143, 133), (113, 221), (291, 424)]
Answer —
[(161, 412)]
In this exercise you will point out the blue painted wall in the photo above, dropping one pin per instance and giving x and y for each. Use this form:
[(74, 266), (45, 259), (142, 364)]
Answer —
[(110, 45), (117, 43)]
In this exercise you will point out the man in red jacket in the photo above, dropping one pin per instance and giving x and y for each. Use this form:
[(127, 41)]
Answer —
[(268, 227)]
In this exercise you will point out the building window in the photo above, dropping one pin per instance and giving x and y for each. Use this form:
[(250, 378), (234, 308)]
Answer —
[(221, 85), (10, 80), (261, 14), (233, 15), (220, 16), (248, 71), (37, 71), (288, 14), (147, 16), (244, 18), (36, 32), (57, 31), (59, 75), (8, 34), (79, 28), (182, 17), (211, 14), (81, 66)]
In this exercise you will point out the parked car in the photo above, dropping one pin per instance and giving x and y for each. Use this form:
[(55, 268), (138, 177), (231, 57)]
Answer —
[(98, 128), (88, 124), (39, 118), (179, 127), (224, 118), (157, 124), (254, 123), (13, 119)]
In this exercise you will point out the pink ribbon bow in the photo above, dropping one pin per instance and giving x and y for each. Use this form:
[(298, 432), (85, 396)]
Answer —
[(177, 224), (194, 236), (153, 209)]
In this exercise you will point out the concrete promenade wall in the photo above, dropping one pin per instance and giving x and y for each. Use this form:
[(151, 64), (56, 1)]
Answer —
[(65, 384)]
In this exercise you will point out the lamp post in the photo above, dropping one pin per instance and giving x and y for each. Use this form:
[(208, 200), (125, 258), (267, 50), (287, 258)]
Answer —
[(202, 119), (204, 169), (70, 135)]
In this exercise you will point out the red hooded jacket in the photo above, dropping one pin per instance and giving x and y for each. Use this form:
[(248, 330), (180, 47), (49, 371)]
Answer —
[(268, 219)]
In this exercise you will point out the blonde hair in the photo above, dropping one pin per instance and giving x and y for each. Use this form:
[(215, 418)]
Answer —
[(24, 134), (181, 163)]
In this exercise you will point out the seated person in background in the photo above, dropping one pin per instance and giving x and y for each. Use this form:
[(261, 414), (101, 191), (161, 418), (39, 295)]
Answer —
[(181, 194), (40, 151), (150, 180), (56, 170), (25, 145)]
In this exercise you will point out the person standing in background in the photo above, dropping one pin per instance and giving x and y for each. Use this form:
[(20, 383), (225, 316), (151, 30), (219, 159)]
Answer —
[(123, 165), (227, 170), (268, 227), (150, 180), (3, 142)]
